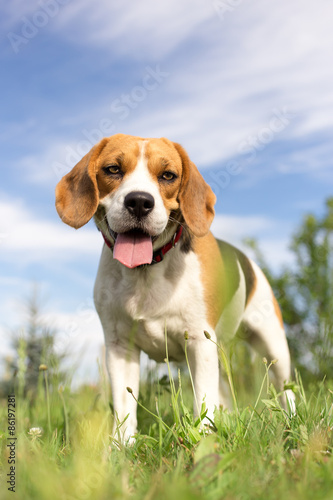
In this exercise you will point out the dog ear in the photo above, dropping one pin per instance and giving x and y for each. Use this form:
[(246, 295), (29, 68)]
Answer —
[(77, 195), (196, 197)]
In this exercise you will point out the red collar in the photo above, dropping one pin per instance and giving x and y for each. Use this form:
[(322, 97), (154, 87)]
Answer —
[(158, 255)]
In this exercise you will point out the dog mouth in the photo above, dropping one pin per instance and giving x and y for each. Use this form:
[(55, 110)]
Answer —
[(133, 248)]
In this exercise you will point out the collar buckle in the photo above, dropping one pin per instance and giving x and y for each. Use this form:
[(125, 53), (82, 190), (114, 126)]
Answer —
[(173, 240), (158, 256)]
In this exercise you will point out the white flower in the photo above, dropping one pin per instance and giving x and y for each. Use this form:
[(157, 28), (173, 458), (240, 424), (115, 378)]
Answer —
[(35, 432)]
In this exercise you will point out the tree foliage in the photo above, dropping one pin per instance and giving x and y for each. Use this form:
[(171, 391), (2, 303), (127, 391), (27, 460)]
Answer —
[(305, 293)]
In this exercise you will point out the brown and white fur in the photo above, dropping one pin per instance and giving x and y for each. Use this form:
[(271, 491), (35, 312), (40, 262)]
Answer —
[(201, 285)]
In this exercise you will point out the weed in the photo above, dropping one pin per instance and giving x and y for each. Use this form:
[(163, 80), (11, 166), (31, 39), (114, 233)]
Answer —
[(257, 451)]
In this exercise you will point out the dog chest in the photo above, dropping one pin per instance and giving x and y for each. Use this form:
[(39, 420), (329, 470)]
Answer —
[(156, 300)]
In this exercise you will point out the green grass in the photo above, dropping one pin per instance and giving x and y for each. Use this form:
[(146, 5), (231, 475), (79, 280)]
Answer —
[(254, 452)]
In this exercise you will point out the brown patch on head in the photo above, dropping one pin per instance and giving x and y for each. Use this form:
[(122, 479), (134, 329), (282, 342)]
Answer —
[(195, 196), (123, 151), (78, 193), (163, 158)]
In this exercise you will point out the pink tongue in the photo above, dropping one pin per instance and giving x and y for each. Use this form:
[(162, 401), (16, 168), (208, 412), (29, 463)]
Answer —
[(133, 249)]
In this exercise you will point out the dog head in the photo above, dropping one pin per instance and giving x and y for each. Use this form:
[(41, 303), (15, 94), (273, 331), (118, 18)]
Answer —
[(135, 186)]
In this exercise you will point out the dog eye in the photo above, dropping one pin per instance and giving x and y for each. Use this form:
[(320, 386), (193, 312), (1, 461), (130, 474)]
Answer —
[(168, 176), (112, 169)]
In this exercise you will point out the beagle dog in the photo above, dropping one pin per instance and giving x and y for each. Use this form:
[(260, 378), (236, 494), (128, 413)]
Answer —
[(162, 272)]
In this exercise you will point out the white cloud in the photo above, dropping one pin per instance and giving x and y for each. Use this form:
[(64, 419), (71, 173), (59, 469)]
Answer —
[(36, 238), (212, 116), (80, 335), (51, 162), (255, 60), (263, 59), (275, 251), (273, 236), (234, 228), (135, 24)]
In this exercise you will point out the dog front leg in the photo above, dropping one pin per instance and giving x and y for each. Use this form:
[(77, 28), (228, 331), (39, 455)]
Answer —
[(123, 364), (204, 365)]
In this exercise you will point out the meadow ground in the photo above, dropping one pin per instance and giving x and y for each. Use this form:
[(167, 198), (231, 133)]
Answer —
[(257, 451)]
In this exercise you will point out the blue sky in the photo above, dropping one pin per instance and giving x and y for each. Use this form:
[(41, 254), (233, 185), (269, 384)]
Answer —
[(245, 87)]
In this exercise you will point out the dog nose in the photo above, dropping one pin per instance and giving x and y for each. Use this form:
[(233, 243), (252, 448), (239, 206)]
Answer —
[(139, 203)]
